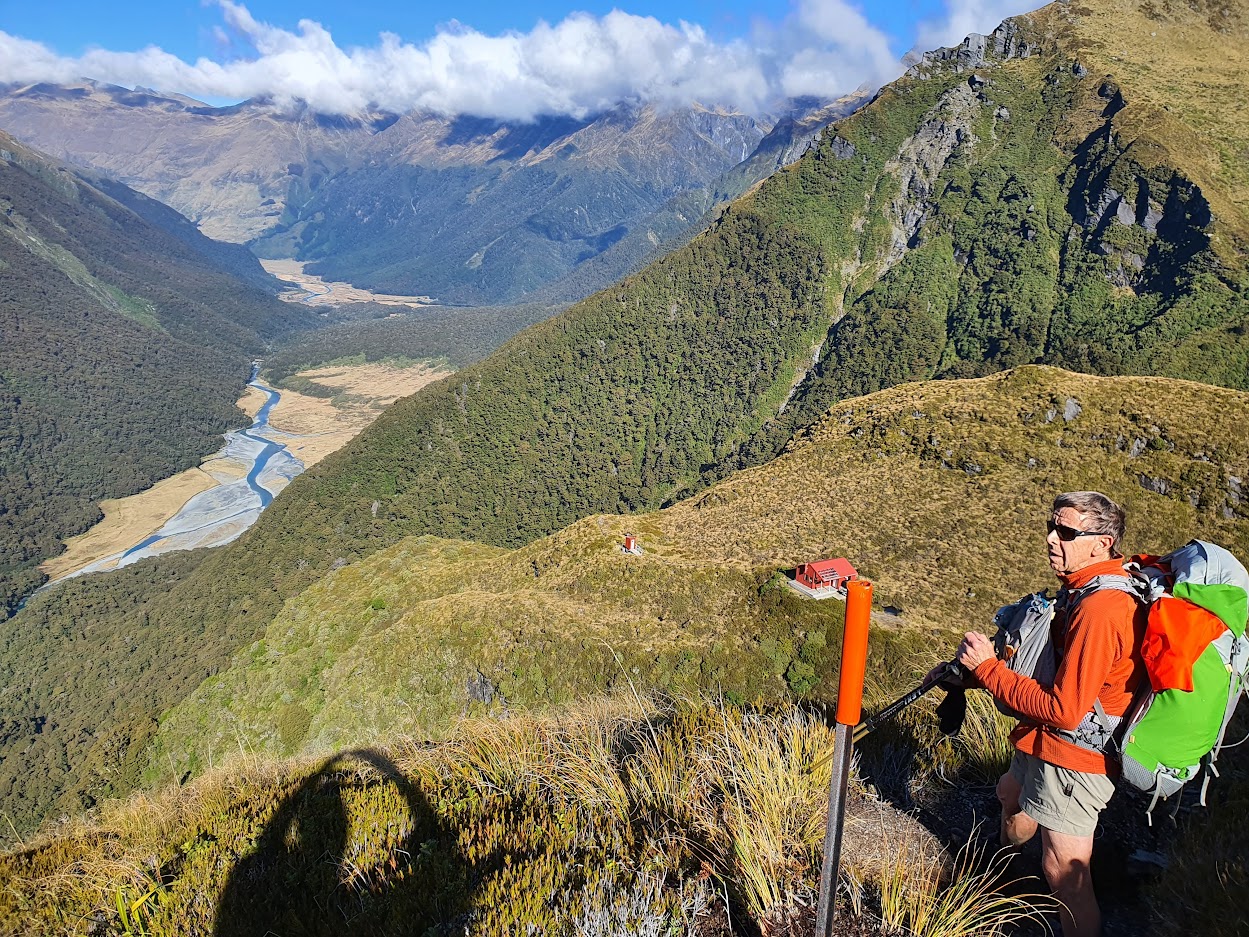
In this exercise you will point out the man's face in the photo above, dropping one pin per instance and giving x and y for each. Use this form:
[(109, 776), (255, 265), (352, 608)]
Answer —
[(1068, 556)]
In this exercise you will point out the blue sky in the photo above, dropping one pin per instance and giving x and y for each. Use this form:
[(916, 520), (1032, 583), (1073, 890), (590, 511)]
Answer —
[(185, 28), (489, 58)]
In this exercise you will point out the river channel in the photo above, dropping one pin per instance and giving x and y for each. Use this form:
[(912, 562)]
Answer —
[(220, 514)]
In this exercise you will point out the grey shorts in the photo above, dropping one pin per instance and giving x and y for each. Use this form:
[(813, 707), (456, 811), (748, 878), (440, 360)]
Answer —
[(1060, 799)]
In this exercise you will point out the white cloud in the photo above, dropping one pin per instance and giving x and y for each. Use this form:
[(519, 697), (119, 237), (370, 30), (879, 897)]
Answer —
[(578, 66)]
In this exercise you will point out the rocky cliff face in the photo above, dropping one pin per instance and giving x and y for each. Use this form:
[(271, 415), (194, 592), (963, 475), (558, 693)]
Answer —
[(1014, 38)]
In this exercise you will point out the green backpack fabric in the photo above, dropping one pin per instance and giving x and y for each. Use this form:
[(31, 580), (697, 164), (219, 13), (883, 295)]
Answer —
[(1171, 734)]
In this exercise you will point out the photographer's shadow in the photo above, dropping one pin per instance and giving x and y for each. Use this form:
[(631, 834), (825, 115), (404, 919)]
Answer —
[(300, 878)]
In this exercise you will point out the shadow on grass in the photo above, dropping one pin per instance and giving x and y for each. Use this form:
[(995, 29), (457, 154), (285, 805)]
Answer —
[(302, 878)]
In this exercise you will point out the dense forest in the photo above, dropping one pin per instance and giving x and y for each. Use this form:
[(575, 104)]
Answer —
[(127, 339), (453, 335), (964, 222)]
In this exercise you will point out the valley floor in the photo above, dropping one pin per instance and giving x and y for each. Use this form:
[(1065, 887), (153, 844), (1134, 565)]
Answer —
[(312, 290), (310, 428)]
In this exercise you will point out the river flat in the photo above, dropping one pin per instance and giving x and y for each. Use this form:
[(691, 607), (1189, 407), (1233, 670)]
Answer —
[(214, 503)]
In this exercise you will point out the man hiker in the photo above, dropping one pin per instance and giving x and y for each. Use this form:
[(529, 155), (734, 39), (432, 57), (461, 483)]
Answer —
[(1055, 784)]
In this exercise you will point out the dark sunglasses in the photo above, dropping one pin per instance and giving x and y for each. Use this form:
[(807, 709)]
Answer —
[(1067, 534)]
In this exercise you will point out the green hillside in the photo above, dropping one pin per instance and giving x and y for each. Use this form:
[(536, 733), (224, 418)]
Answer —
[(127, 338), (978, 215), (956, 226), (938, 492)]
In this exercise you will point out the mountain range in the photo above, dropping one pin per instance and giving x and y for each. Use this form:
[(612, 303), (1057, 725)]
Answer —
[(467, 210)]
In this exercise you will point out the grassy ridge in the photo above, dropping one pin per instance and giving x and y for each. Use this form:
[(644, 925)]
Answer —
[(938, 492), (1182, 67), (627, 817)]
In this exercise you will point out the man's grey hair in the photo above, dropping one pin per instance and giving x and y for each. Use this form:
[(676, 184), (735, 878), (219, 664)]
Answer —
[(1103, 515)]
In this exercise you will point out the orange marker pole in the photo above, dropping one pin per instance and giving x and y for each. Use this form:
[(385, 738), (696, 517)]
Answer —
[(849, 711)]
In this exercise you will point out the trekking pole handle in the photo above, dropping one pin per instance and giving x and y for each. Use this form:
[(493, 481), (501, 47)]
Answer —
[(868, 726)]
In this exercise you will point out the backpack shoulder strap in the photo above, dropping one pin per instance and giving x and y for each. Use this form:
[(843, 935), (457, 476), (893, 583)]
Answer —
[(1116, 581), (1099, 731)]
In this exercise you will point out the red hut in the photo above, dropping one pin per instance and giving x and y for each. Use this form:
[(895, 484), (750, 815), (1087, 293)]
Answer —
[(826, 574)]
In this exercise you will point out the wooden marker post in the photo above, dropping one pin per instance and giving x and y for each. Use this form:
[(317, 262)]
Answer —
[(849, 711)]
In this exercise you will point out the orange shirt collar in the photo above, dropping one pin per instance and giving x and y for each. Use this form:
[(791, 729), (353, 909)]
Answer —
[(1082, 577)]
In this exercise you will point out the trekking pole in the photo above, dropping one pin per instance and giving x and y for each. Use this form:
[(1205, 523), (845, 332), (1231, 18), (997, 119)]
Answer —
[(868, 726), (849, 709)]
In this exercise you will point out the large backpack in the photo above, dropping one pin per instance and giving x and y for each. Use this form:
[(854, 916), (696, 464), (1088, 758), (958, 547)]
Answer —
[(1196, 656)]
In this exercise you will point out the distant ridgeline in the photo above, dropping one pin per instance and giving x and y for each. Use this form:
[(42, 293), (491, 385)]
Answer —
[(1020, 199), (127, 337)]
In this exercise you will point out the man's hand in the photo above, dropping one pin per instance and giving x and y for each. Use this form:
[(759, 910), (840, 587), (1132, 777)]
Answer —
[(974, 650)]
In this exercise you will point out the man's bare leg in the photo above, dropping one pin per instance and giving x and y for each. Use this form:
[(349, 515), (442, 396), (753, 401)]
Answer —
[(1065, 860), (1016, 827)]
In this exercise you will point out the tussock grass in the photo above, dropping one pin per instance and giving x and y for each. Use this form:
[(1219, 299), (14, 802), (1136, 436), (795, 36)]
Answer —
[(909, 756), (630, 815), (983, 750), (928, 899)]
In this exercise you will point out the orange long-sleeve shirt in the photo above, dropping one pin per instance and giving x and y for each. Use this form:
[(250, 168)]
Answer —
[(1099, 642)]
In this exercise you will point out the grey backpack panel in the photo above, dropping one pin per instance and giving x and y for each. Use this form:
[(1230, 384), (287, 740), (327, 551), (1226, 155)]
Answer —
[(1023, 641), (1207, 563)]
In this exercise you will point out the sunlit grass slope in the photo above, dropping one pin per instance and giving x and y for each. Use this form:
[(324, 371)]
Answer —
[(963, 223), (1185, 94), (938, 492), (621, 819)]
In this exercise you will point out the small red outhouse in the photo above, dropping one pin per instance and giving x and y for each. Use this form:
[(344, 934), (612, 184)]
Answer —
[(826, 574)]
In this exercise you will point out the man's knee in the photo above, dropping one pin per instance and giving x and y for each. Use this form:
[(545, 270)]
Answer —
[(1017, 826), (1065, 861)]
